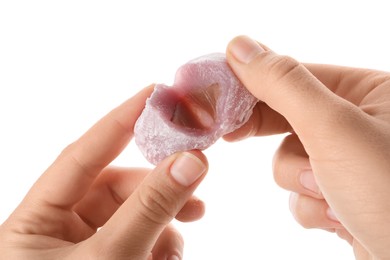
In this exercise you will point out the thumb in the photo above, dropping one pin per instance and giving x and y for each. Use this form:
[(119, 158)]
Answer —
[(285, 85), (134, 229)]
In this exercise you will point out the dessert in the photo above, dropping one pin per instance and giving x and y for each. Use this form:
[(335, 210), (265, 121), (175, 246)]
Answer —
[(205, 102)]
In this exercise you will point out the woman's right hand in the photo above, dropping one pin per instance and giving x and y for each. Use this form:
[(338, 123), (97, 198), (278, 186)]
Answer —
[(336, 162)]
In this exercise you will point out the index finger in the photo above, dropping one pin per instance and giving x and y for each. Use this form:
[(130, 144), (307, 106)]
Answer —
[(70, 176), (264, 121)]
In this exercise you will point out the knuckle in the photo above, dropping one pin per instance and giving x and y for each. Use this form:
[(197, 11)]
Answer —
[(257, 121), (270, 69), (157, 205), (277, 168), (288, 161), (300, 212), (179, 239), (67, 150), (281, 164), (302, 219), (175, 235), (71, 156), (281, 67), (282, 64)]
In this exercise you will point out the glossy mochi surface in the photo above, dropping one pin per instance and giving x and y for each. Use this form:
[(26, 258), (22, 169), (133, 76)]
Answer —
[(205, 102)]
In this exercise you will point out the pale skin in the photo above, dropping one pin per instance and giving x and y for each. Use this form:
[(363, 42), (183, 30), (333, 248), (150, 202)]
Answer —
[(335, 162), (336, 159), (80, 192)]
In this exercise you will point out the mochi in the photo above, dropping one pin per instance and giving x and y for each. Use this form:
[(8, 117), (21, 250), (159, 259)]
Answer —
[(205, 102)]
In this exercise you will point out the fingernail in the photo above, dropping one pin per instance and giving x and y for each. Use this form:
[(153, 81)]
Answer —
[(173, 257), (331, 215), (187, 169), (308, 182), (244, 49)]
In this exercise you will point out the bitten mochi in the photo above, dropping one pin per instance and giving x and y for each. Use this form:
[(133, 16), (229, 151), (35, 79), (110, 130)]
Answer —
[(205, 102)]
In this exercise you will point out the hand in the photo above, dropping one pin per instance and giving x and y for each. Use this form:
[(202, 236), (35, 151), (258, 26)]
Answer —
[(79, 194), (336, 161)]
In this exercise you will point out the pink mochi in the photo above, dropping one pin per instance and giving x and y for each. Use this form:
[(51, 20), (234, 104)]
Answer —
[(205, 102)]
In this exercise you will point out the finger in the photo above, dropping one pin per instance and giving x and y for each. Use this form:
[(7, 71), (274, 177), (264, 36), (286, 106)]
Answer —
[(344, 234), (292, 169), (285, 85), (263, 121), (193, 210), (134, 228), (113, 186), (312, 213), (170, 244), (70, 176), (360, 251)]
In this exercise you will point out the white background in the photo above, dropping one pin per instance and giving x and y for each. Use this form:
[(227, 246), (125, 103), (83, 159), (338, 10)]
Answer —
[(64, 64)]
